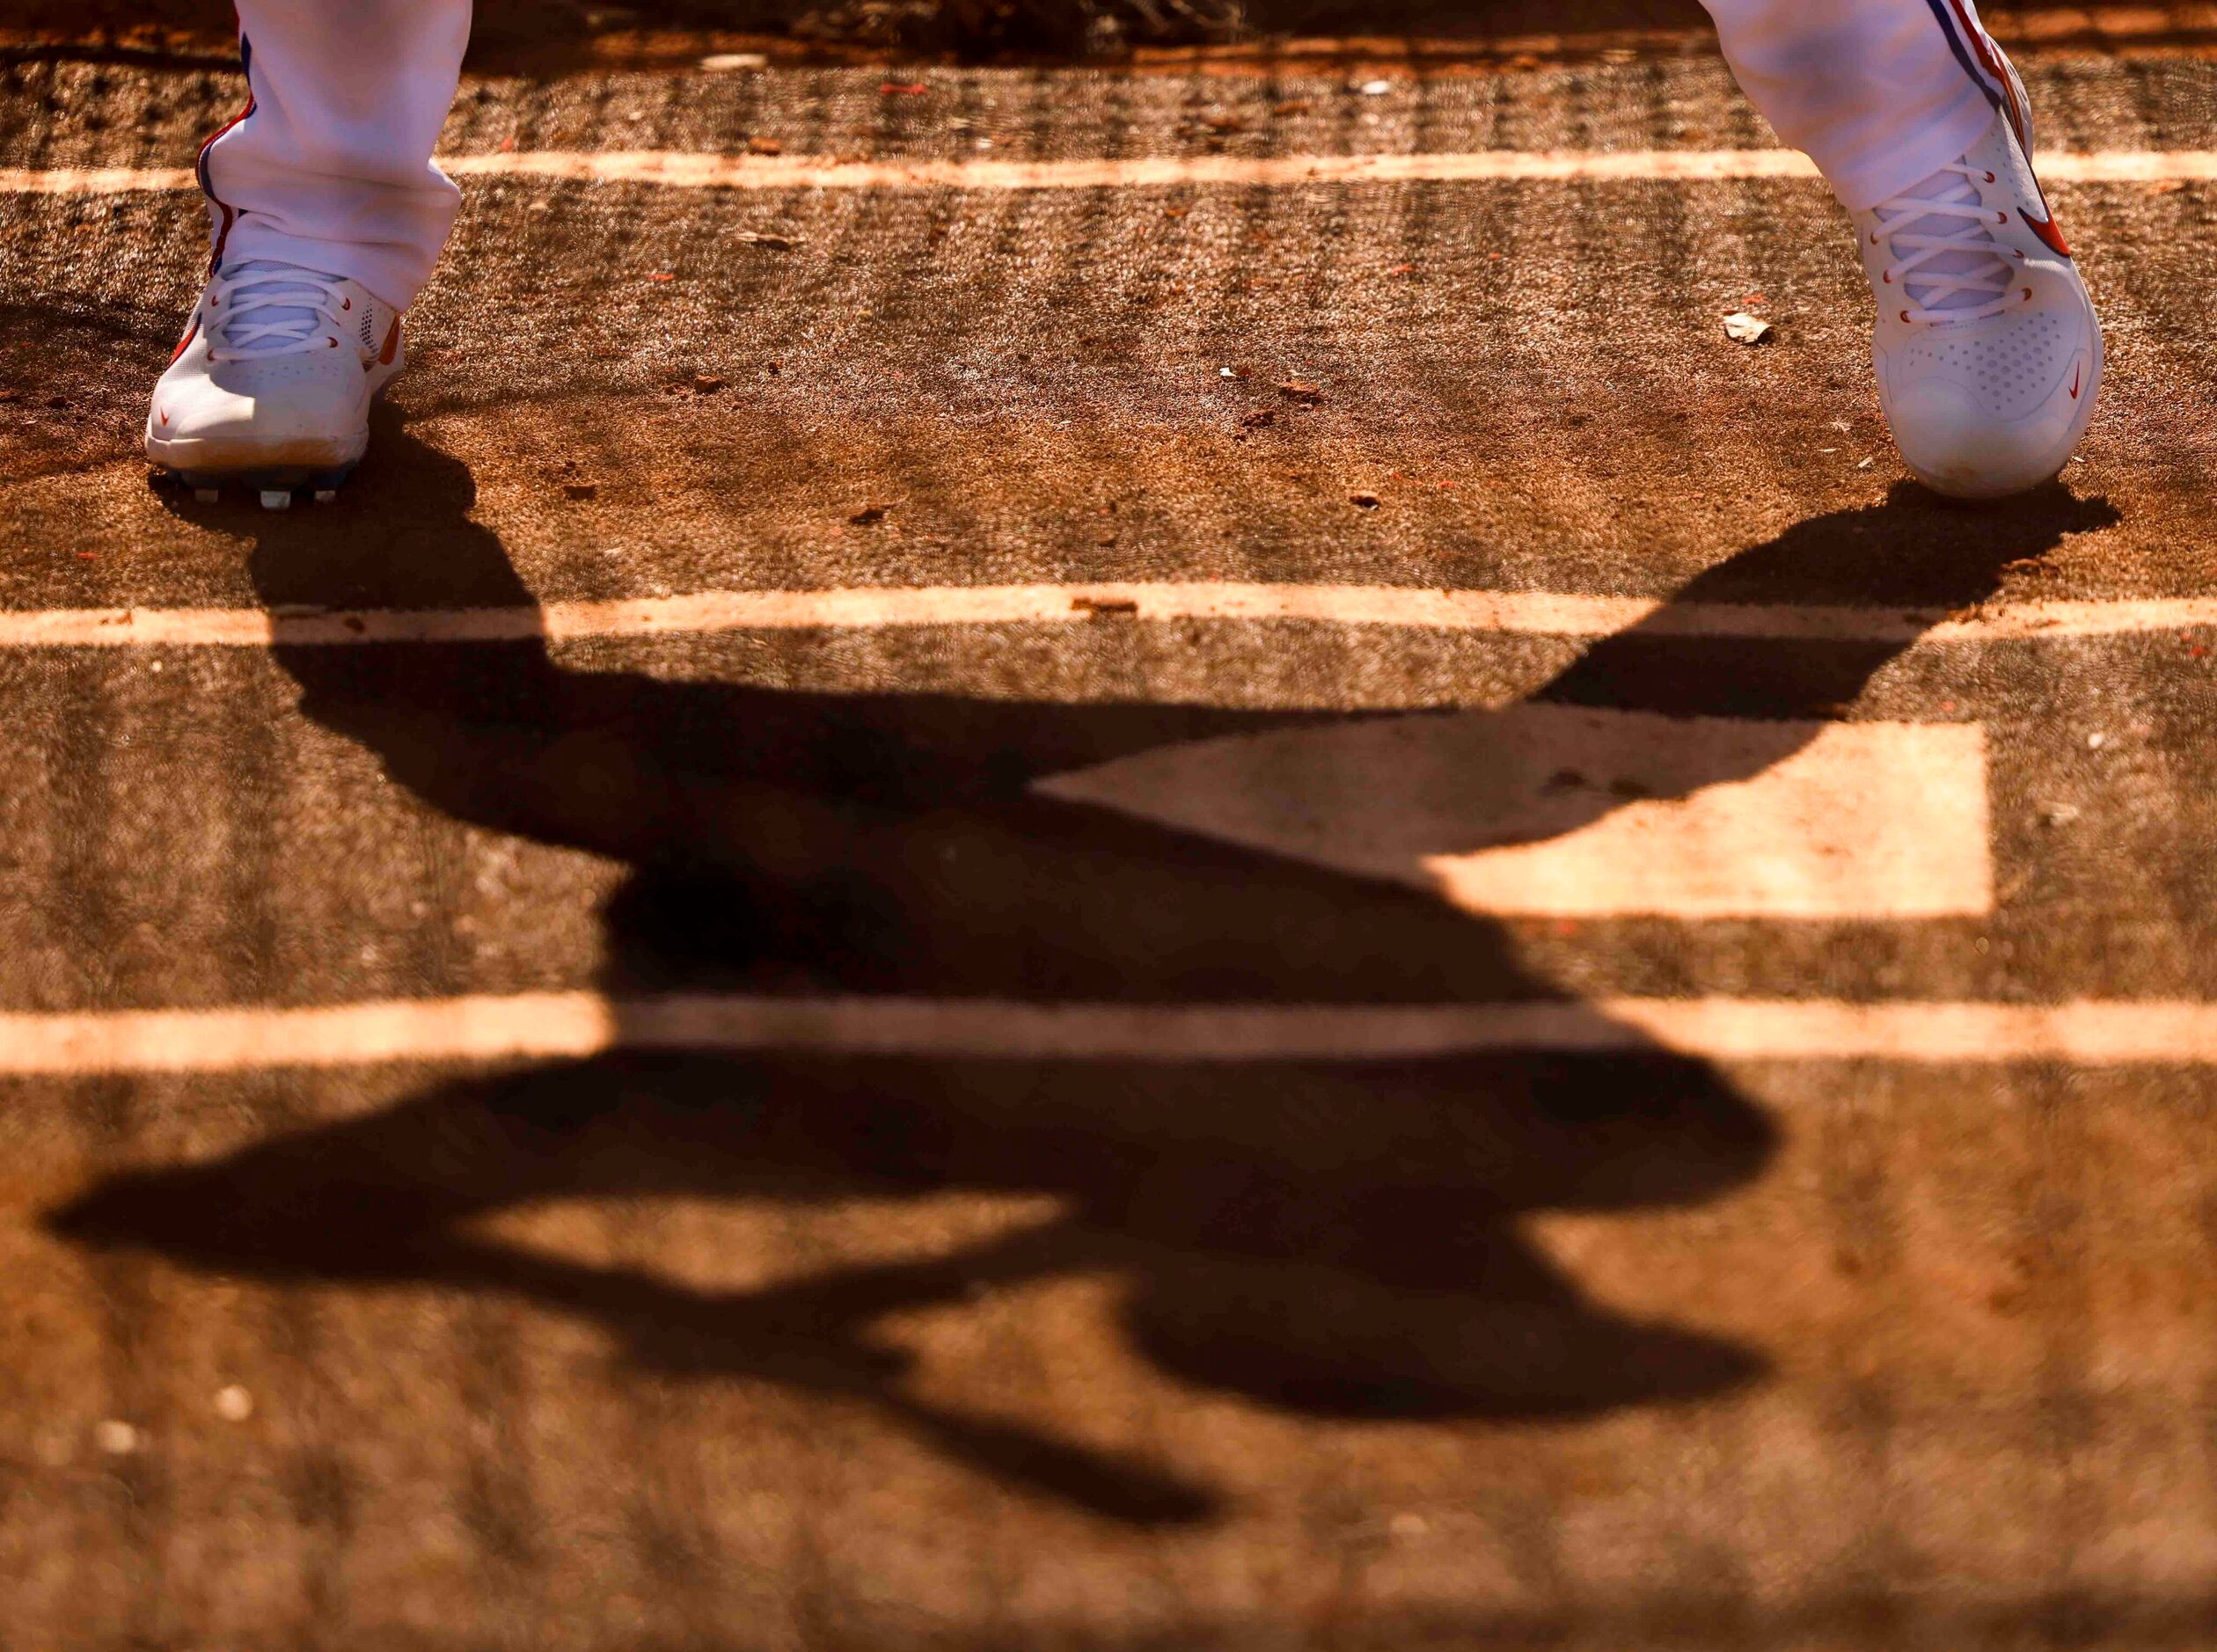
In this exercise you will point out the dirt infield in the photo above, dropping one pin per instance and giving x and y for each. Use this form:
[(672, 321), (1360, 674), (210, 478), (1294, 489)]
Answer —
[(1190, 903)]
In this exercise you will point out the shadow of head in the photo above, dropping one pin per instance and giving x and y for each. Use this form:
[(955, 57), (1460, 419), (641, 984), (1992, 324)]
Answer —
[(1327, 1238)]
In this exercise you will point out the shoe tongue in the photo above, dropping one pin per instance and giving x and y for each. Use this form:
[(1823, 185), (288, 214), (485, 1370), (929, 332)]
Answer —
[(1950, 187), (261, 303)]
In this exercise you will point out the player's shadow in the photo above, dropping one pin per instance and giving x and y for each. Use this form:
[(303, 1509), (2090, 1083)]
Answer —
[(1333, 1236)]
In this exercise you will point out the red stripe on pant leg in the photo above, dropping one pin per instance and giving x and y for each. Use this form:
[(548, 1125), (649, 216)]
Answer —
[(223, 235), (1989, 56), (1980, 46), (199, 163)]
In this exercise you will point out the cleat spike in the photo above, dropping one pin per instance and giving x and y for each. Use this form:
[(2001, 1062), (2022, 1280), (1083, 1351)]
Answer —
[(207, 496), (276, 498), (326, 496)]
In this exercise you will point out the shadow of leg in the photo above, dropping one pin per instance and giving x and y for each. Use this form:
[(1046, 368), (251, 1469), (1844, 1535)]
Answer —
[(1330, 1237)]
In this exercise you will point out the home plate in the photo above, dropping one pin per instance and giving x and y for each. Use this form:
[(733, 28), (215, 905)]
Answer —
[(1565, 811)]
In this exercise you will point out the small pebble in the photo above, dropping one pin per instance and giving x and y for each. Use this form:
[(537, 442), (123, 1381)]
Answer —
[(117, 1438), (234, 1404)]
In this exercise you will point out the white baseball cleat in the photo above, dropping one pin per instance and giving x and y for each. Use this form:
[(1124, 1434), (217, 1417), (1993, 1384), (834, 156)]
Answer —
[(272, 383), (1988, 353)]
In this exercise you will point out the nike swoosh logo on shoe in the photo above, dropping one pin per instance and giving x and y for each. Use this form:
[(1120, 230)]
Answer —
[(185, 344), (392, 347), (2076, 373), (2044, 228)]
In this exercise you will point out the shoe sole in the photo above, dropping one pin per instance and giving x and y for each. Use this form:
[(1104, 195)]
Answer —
[(275, 488), (274, 480)]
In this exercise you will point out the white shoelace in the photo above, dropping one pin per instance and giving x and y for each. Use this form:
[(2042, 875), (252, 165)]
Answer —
[(1946, 261), (266, 309)]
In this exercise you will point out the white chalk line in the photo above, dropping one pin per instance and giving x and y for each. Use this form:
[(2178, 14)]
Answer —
[(682, 170), (549, 1025), (1537, 613)]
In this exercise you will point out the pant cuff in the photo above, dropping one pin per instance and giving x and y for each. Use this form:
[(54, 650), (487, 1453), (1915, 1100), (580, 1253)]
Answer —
[(393, 276), (1865, 180)]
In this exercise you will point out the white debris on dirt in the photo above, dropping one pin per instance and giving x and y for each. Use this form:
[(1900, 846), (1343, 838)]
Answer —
[(234, 1404), (1743, 328), (117, 1438)]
